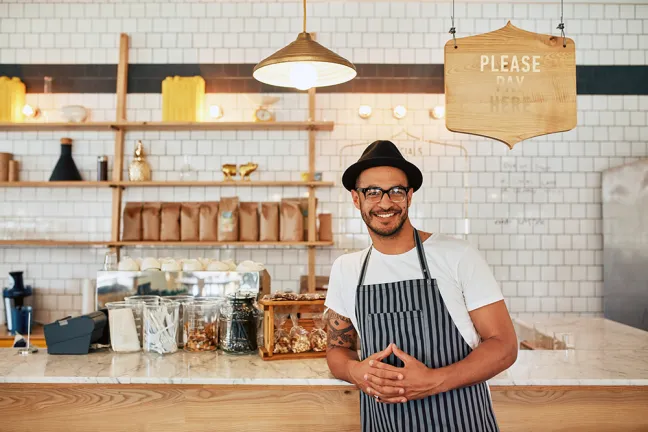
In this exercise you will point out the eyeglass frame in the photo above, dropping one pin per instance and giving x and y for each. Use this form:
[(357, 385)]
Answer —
[(384, 191)]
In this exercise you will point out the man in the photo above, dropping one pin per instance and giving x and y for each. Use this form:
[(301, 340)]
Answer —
[(431, 317)]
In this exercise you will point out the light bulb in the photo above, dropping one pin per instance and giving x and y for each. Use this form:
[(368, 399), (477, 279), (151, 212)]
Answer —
[(30, 111), (303, 76), (438, 112), (364, 111), (400, 112)]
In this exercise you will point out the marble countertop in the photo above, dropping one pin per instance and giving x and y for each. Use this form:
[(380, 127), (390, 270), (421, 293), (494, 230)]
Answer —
[(606, 353)]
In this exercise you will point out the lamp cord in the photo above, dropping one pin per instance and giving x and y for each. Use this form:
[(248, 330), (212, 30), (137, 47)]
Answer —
[(304, 16), (453, 30), (561, 26)]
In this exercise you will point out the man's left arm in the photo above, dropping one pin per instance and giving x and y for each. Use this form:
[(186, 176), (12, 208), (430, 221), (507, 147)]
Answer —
[(498, 347), (496, 353)]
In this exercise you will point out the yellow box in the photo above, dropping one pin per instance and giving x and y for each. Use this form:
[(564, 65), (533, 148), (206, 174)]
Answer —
[(12, 99), (183, 99)]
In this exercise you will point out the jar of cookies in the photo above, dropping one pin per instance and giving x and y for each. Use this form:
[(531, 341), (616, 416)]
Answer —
[(200, 323)]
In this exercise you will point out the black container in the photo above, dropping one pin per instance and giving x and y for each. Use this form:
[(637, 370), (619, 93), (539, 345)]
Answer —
[(102, 168), (16, 314), (66, 169), (73, 336)]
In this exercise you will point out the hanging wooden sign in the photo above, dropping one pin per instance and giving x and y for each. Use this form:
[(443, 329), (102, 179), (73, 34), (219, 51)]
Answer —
[(510, 85)]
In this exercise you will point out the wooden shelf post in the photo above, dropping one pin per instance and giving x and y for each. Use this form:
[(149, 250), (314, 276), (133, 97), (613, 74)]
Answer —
[(312, 216), (118, 163)]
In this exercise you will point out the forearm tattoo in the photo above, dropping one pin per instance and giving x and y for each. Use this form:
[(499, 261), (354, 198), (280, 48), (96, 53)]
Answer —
[(341, 332)]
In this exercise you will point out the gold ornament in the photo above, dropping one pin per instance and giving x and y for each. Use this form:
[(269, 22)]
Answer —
[(247, 169), (139, 170), (229, 170)]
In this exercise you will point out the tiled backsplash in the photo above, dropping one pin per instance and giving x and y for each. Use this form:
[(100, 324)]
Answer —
[(533, 211), (186, 31)]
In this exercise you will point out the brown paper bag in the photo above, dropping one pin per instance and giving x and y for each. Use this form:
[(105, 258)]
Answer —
[(151, 221), (170, 222), (228, 219), (190, 222), (249, 221), (326, 227), (132, 230), (292, 222), (4, 166), (208, 221), (303, 207), (269, 225)]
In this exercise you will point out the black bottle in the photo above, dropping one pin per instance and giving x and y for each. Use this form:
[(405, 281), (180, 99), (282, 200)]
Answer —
[(65, 169)]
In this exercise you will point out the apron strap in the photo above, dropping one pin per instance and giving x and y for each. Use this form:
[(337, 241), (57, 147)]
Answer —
[(421, 255), (364, 267)]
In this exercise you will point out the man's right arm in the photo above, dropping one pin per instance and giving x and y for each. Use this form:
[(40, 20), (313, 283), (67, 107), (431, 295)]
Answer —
[(341, 354)]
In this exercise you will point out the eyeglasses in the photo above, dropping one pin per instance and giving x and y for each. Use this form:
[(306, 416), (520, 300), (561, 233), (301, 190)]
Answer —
[(396, 194)]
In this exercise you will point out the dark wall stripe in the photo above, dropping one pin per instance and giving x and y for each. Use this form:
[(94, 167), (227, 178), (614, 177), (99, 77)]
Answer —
[(237, 78), (614, 80)]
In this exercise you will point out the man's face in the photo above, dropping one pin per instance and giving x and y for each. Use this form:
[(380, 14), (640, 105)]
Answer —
[(384, 217)]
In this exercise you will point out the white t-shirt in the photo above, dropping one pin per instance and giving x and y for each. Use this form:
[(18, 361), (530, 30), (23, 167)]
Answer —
[(464, 279)]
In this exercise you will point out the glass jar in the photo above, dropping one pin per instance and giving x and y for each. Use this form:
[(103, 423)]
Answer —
[(183, 299), (161, 327), (200, 324), (123, 319), (238, 325), (147, 299)]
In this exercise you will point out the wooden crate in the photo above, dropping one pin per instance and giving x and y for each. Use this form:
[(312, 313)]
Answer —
[(269, 309)]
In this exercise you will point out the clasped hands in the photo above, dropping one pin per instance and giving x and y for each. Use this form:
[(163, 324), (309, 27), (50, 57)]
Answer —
[(396, 384)]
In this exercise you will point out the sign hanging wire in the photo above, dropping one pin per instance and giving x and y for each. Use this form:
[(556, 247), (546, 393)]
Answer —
[(453, 30), (560, 27)]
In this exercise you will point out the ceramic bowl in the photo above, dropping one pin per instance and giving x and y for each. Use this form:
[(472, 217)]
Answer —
[(74, 113)]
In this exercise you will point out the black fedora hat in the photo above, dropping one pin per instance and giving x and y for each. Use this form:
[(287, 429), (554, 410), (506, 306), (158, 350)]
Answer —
[(382, 153)]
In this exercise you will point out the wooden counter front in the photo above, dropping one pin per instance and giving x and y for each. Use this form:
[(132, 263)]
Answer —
[(196, 408)]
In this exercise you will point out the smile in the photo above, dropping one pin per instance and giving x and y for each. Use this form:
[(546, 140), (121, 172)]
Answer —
[(385, 215)]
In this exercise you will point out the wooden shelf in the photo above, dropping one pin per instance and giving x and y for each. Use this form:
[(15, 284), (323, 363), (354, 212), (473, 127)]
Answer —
[(263, 352), (222, 183), (231, 126), (46, 243), (56, 184), (44, 127), (119, 128), (213, 243), (179, 183), (166, 126), (280, 303)]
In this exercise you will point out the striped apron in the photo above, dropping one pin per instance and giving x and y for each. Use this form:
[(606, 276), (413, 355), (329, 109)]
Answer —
[(412, 315)]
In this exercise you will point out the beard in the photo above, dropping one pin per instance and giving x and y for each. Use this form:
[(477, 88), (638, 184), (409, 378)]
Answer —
[(375, 224)]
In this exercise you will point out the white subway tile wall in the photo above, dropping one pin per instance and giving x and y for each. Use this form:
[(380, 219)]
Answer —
[(534, 211)]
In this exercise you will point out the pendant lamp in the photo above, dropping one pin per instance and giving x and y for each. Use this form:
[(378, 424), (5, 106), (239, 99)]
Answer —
[(304, 64)]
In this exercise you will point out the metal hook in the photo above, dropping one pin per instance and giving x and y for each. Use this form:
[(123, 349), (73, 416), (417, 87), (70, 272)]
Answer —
[(561, 27)]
